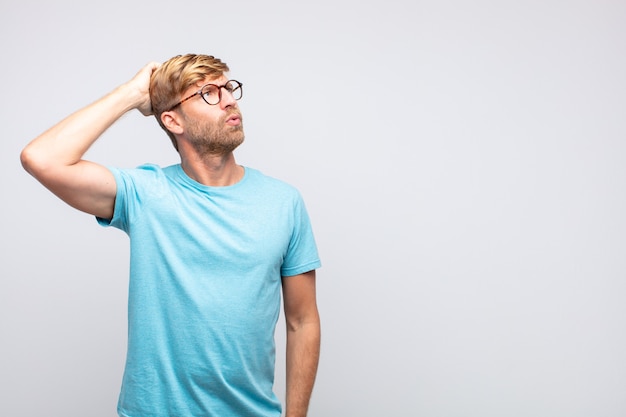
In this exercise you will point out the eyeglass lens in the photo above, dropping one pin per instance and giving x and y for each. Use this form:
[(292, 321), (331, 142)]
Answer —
[(212, 94)]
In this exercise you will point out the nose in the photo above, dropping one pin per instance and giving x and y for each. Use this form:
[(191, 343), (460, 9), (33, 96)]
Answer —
[(227, 99)]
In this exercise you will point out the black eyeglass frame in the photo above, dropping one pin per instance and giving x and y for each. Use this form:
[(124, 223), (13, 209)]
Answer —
[(219, 93)]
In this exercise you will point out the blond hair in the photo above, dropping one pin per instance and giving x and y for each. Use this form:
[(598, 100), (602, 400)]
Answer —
[(175, 76)]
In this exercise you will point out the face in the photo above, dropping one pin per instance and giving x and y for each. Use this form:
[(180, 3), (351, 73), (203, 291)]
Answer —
[(213, 129)]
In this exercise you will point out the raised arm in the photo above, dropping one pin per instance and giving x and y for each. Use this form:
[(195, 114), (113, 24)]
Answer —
[(55, 157), (303, 341)]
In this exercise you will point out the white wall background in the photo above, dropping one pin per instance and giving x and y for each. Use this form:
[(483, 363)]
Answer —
[(464, 163)]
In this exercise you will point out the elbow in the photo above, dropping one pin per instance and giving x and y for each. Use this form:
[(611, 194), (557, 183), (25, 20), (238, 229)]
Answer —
[(310, 320), (33, 162), (26, 158)]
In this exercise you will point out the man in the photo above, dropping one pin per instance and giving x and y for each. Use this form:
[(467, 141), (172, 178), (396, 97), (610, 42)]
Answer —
[(212, 244)]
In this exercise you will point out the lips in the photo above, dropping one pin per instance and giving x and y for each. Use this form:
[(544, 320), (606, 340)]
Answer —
[(233, 119)]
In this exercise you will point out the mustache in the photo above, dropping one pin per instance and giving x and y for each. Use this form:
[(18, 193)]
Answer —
[(230, 113)]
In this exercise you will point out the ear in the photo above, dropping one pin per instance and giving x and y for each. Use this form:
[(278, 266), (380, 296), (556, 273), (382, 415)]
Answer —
[(172, 121)]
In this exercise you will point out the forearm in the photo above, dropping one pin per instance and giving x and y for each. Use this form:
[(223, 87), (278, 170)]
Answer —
[(303, 349), (65, 143)]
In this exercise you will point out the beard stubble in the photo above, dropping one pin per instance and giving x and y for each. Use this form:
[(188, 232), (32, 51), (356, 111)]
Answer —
[(211, 139)]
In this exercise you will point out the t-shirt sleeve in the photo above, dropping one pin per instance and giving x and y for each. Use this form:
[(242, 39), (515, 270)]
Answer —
[(302, 255), (133, 186)]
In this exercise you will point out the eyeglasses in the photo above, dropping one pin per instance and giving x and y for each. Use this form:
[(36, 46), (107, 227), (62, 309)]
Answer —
[(212, 93)]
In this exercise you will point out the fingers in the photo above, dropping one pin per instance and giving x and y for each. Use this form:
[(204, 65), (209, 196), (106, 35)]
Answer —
[(152, 66), (141, 81), (144, 74)]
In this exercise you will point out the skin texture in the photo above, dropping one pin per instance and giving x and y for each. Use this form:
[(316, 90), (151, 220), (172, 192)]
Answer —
[(206, 137), (303, 341)]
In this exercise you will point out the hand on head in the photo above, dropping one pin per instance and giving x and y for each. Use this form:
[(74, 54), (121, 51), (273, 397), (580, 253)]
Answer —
[(140, 84)]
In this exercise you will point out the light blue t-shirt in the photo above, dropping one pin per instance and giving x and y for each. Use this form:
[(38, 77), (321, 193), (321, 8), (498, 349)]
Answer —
[(204, 295)]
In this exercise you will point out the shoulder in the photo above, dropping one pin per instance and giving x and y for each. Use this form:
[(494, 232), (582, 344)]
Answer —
[(271, 184), (145, 172), (144, 180)]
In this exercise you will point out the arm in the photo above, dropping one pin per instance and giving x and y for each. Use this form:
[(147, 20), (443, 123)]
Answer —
[(55, 157), (303, 341)]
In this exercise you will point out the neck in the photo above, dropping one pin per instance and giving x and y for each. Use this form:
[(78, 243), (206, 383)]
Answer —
[(212, 170)]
